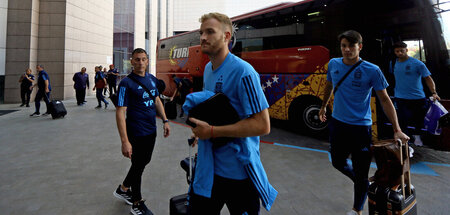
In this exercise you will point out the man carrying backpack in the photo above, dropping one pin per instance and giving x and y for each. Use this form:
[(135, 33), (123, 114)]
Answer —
[(184, 86)]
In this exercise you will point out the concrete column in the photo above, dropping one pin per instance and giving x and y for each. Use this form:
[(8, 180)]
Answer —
[(162, 19), (169, 18), (21, 44), (139, 24), (51, 45), (3, 24), (3, 27), (153, 34)]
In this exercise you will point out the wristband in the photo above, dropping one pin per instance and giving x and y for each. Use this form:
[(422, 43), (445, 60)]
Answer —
[(212, 131), (165, 120)]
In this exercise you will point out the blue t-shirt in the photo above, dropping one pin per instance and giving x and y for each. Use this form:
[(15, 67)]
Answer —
[(141, 110), (42, 77), (408, 78), (352, 99), (239, 81)]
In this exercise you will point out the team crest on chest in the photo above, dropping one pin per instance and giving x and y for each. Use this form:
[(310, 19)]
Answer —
[(219, 84)]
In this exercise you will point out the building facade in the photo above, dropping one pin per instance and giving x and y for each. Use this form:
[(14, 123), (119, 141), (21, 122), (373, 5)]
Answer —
[(63, 36), (66, 35)]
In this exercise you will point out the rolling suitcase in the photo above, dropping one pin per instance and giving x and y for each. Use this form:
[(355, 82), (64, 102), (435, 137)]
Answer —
[(178, 205), (386, 198), (171, 109), (57, 109), (113, 97)]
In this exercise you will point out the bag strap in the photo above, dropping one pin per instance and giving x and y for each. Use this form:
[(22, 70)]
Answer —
[(393, 65), (139, 83), (345, 76)]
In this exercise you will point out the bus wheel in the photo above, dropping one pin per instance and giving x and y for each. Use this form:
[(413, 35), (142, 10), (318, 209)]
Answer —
[(305, 116)]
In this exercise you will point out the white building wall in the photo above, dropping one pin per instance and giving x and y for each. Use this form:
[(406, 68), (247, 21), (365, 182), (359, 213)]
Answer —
[(169, 18), (139, 24), (3, 27), (153, 35), (238, 7), (187, 13), (88, 39), (163, 19)]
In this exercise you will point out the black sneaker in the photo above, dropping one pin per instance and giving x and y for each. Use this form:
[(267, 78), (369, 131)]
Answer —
[(28, 105), (35, 114), (125, 196), (98, 107), (22, 105), (46, 114), (140, 209)]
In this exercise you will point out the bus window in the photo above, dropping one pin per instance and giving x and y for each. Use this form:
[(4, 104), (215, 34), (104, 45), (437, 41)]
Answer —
[(443, 11), (255, 44), (416, 50)]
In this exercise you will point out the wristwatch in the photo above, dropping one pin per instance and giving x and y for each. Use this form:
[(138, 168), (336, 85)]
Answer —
[(166, 120)]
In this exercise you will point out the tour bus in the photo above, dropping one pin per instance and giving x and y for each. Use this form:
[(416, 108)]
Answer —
[(290, 44)]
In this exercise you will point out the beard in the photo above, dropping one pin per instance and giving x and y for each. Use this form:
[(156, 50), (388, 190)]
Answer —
[(212, 49)]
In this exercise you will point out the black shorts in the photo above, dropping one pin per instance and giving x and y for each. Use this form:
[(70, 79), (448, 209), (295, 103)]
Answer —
[(240, 196)]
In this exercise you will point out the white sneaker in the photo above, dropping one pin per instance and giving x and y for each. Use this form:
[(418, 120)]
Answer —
[(417, 140), (352, 212), (411, 151)]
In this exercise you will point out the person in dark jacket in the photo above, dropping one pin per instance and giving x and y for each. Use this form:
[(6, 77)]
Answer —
[(184, 86), (112, 79), (81, 80), (26, 83), (105, 74), (100, 84), (44, 89)]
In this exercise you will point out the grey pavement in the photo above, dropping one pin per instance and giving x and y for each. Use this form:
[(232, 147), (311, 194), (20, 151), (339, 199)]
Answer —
[(72, 166)]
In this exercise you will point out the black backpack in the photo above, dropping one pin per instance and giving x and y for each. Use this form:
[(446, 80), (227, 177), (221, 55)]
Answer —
[(187, 84)]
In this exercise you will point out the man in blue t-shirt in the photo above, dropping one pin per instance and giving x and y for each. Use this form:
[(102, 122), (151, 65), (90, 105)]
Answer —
[(228, 74), (44, 88), (138, 99), (81, 82), (409, 96), (350, 125)]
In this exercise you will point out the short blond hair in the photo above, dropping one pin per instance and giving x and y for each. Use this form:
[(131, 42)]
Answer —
[(222, 18)]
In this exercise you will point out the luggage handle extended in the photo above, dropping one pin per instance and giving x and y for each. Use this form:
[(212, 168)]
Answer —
[(190, 142), (403, 163)]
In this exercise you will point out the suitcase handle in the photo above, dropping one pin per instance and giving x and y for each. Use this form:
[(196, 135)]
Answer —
[(403, 163), (190, 145)]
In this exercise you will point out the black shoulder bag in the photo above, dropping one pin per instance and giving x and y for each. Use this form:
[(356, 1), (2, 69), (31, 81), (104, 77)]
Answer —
[(345, 76), (114, 98), (139, 83)]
